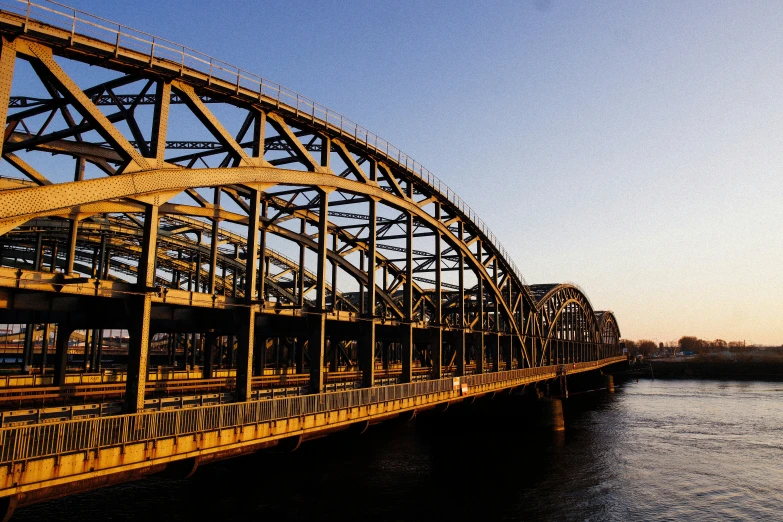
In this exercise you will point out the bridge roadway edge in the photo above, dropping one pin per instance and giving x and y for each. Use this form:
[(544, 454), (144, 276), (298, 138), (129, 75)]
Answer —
[(33, 480)]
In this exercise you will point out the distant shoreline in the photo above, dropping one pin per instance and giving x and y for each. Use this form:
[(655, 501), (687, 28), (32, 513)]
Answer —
[(717, 368)]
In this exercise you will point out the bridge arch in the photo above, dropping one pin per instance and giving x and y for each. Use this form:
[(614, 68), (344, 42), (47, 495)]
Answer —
[(282, 195)]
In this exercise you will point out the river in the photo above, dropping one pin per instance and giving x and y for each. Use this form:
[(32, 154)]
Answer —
[(654, 450)]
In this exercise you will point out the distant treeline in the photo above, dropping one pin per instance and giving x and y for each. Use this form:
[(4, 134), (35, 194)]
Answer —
[(761, 364), (692, 345)]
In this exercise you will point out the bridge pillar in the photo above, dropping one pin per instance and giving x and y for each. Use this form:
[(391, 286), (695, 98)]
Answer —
[(64, 331), (245, 319), (436, 351), (140, 308), (551, 414), (139, 311), (316, 348), (245, 316), (367, 354), (406, 337)]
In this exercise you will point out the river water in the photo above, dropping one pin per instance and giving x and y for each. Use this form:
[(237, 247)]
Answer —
[(654, 450)]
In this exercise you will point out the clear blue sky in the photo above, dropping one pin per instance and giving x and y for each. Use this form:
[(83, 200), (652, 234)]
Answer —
[(632, 147)]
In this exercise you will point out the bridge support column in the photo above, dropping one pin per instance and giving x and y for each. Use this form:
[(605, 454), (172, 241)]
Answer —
[(317, 321), (406, 338), (551, 414), (64, 331), (436, 351), (140, 308), (316, 346), (245, 319), (367, 355), (609, 379)]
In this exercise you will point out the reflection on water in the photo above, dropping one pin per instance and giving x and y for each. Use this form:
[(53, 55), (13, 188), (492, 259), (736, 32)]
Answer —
[(655, 450)]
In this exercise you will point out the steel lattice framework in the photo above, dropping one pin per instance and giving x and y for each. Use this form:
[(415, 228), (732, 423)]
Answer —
[(269, 216)]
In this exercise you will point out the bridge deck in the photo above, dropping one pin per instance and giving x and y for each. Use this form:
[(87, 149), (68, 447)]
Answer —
[(50, 459)]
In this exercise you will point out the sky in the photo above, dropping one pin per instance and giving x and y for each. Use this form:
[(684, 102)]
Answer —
[(631, 147)]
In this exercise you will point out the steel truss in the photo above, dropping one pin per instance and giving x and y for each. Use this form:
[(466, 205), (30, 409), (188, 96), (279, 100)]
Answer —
[(238, 236)]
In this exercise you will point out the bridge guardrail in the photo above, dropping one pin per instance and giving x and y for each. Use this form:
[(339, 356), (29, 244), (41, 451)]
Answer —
[(42, 440), (492, 377), (21, 443), (82, 23)]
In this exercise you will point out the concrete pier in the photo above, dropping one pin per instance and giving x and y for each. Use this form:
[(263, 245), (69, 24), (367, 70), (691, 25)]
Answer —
[(550, 414)]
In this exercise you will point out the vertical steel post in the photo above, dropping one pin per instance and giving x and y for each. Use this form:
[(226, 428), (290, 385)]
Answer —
[(86, 353), (367, 344), (479, 335), (27, 348), (245, 316), (160, 120), (406, 334), (334, 272), (213, 246), (64, 331), (300, 292), (38, 260), (262, 265), (44, 347), (317, 319), (70, 255), (436, 329), (140, 309), (459, 344)]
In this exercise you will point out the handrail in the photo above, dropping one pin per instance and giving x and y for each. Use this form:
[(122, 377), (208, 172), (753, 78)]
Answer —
[(20, 443), (157, 48)]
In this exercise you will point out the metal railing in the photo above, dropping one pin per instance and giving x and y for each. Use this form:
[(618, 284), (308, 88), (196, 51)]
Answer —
[(42, 440), (531, 373), (492, 377), (21, 443), (81, 24)]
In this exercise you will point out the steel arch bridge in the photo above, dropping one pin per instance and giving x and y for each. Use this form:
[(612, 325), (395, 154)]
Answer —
[(230, 224)]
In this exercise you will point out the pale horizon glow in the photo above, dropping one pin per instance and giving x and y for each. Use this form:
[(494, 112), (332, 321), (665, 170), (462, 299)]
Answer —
[(632, 148)]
